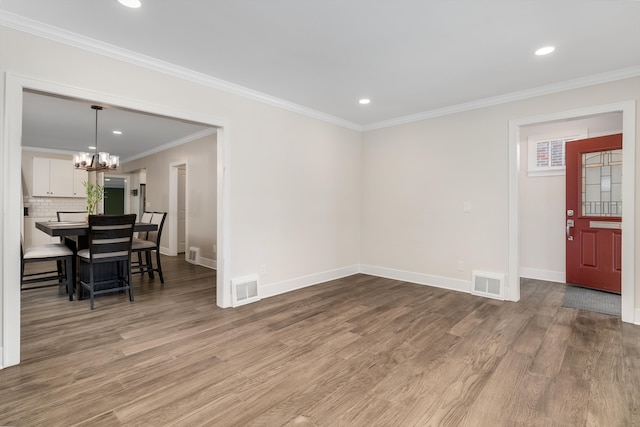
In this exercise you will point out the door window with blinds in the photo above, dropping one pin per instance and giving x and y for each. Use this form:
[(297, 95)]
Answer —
[(602, 183), (547, 154)]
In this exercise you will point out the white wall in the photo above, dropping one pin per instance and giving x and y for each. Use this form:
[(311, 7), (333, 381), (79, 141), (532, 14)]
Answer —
[(294, 181), (200, 155), (417, 179), (418, 176), (542, 200)]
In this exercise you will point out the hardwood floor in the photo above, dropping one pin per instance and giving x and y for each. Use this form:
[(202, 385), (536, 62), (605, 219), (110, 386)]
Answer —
[(360, 351)]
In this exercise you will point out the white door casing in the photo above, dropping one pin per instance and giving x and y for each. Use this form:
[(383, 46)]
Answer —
[(10, 195), (628, 110), (174, 204), (182, 209)]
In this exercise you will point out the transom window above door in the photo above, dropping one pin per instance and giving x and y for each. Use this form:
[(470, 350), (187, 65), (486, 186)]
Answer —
[(547, 154)]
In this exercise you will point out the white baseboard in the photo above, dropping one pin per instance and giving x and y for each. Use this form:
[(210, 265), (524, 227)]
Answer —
[(273, 289), (549, 276), (636, 317), (206, 262), (419, 278), (278, 288)]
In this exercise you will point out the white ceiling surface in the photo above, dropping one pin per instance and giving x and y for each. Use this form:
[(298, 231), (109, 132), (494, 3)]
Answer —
[(70, 125), (411, 57)]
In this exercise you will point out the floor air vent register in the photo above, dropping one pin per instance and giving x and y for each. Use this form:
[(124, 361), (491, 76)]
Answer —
[(490, 285), (193, 255), (245, 290)]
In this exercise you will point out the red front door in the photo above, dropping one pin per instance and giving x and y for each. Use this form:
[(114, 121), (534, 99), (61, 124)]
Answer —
[(594, 212)]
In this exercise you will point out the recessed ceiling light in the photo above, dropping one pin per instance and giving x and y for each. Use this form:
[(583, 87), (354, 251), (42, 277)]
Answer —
[(364, 101), (91, 148), (117, 132), (130, 3), (545, 50)]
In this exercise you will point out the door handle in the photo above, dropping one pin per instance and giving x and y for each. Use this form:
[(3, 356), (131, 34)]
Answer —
[(569, 225)]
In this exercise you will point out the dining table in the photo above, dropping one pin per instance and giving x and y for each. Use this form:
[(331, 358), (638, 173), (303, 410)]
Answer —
[(75, 236), (70, 229)]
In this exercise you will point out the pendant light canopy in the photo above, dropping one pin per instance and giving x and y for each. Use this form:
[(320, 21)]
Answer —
[(99, 160)]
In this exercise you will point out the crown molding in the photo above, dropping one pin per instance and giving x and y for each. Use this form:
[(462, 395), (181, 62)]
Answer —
[(48, 150), (50, 32), (622, 74), (46, 31), (177, 142)]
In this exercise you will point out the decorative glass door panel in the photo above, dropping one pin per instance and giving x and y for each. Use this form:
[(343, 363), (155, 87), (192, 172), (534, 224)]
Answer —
[(602, 183)]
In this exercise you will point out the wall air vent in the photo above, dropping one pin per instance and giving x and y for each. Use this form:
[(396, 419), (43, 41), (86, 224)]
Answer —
[(490, 285), (245, 290)]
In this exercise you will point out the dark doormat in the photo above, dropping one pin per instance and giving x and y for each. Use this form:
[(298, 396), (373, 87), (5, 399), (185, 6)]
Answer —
[(592, 300)]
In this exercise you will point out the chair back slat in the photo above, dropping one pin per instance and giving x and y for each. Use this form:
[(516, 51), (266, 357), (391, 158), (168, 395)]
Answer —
[(72, 216), (110, 246), (111, 231), (146, 218), (110, 237)]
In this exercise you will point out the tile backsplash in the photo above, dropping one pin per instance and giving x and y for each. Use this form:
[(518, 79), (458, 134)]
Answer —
[(44, 207)]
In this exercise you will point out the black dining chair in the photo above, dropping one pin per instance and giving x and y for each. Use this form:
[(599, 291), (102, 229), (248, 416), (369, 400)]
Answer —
[(145, 218), (62, 276), (140, 235), (147, 244), (72, 216), (110, 238), (73, 242)]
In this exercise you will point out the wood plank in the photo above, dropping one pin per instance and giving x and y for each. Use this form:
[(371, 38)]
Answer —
[(549, 357)]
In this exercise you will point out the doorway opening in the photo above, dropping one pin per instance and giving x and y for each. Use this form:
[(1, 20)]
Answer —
[(178, 205), (182, 209), (15, 86), (517, 201), (116, 192)]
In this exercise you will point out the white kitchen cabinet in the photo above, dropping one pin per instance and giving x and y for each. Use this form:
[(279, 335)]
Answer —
[(40, 176), (56, 178), (79, 176)]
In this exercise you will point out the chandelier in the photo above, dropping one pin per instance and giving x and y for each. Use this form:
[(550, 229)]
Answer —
[(99, 160)]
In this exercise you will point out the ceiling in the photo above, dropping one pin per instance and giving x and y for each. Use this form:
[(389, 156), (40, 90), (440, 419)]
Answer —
[(410, 57), (62, 124)]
